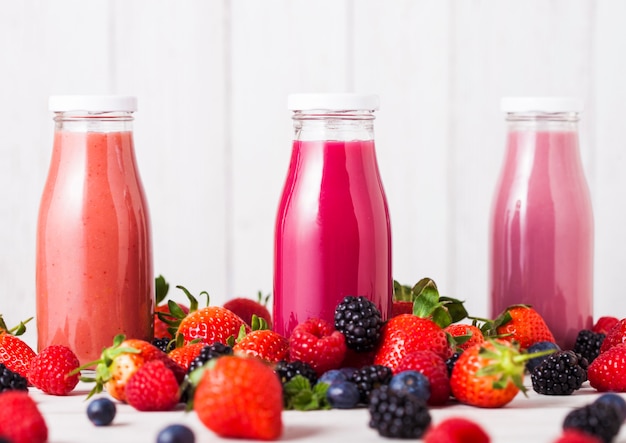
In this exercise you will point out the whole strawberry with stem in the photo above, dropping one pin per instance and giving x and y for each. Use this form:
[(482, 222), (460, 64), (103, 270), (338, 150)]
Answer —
[(53, 370), (490, 374), (261, 342), (15, 353), (523, 324), (239, 397)]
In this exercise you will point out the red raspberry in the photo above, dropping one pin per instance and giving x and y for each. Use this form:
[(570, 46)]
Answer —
[(153, 387), (434, 368), (604, 325), (49, 370), (576, 436), (317, 343), (20, 419), (615, 336), (456, 430)]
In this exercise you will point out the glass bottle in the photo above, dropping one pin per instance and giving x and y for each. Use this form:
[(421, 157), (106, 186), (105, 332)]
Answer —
[(542, 227), (94, 276), (332, 233)]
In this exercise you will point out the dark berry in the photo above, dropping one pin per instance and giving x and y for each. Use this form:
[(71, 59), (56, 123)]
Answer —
[(288, 370), (369, 378), (397, 414), (359, 320), (176, 434), (588, 344), (333, 376), (343, 395), (561, 373), (413, 382), (451, 361), (101, 411), (207, 353), (616, 401), (11, 381), (538, 347), (162, 343), (597, 419)]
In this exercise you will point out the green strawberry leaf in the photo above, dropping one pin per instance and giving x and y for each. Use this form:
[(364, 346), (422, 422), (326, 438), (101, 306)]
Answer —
[(299, 394), (161, 287)]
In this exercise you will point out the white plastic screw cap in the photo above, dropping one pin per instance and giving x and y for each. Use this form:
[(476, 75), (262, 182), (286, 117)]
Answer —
[(92, 103)]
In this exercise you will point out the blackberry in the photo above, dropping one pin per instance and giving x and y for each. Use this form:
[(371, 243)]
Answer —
[(588, 344), (359, 320), (537, 347), (207, 353), (370, 377), (451, 361), (398, 414), (601, 420), (288, 370), (162, 343), (11, 381), (561, 373)]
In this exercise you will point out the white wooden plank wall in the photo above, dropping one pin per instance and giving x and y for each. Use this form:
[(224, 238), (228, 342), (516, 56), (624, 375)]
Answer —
[(213, 134)]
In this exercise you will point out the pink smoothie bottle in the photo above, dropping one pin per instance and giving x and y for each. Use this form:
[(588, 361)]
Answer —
[(332, 233), (542, 227), (94, 276)]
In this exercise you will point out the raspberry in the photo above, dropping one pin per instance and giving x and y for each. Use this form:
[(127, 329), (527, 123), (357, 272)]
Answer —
[(49, 370), (597, 419), (359, 320), (397, 414), (561, 373), (369, 378), (20, 419), (456, 430), (317, 343), (605, 324), (588, 344), (434, 368), (153, 387)]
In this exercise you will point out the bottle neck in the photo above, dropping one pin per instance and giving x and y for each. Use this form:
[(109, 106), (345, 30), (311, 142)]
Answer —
[(537, 121), (335, 125), (94, 122)]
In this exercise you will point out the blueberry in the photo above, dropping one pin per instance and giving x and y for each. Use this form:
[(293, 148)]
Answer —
[(176, 434), (539, 346), (413, 382), (101, 411), (343, 395), (615, 400), (332, 376)]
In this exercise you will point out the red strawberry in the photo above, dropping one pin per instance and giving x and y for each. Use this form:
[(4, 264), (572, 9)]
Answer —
[(153, 387), (488, 375), (50, 370), (572, 435), (604, 325), (465, 335), (436, 371), (185, 354), (523, 324), (20, 419), (407, 333), (317, 343), (401, 307), (15, 353), (607, 372), (211, 324), (456, 430), (240, 397), (615, 336), (246, 308), (264, 344)]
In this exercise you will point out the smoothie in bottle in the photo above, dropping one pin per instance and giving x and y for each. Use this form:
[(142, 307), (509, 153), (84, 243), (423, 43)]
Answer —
[(332, 234), (542, 221), (94, 274)]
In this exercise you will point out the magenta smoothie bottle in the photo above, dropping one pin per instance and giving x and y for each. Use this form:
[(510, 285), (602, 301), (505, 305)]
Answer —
[(542, 228), (94, 275), (332, 233)]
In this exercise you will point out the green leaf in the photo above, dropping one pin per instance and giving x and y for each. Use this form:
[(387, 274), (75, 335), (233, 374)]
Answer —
[(161, 287), (301, 396)]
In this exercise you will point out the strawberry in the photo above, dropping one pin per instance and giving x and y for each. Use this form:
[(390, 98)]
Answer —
[(456, 430), (21, 420), (436, 371), (523, 324), (240, 397), (50, 370), (615, 336), (185, 354), (211, 324), (153, 387), (407, 333), (572, 435), (164, 312), (264, 344), (489, 375), (401, 307), (316, 342), (465, 335), (604, 324), (15, 353), (247, 307), (608, 371), (119, 362)]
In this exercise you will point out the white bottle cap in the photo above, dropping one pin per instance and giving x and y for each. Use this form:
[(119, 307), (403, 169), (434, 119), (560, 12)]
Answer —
[(541, 104), (332, 102), (92, 103)]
